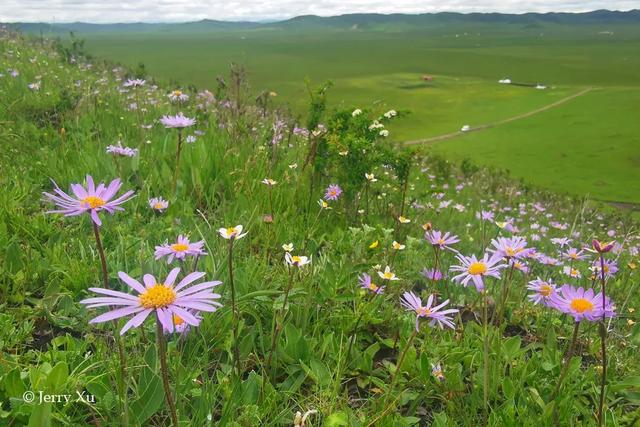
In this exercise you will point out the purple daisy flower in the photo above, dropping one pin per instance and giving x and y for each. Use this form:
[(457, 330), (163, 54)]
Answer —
[(366, 283), (610, 268), (510, 247), (333, 192), (431, 274), (474, 269), (581, 304), (134, 83), (412, 302), (180, 250), (543, 291), (443, 241), (178, 121), (164, 298), (158, 204), (180, 326), (120, 150), (91, 199), (178, 96), (574, 254)]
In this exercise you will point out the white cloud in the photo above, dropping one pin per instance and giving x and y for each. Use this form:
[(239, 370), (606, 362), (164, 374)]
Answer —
[(192, 10)]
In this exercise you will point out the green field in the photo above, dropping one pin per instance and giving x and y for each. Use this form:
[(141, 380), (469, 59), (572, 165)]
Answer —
[(382, 68)]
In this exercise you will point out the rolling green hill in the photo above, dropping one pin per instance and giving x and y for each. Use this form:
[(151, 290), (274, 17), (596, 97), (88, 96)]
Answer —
[(376, 61)]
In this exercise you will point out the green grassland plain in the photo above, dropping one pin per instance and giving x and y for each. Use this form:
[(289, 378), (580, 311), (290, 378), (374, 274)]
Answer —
[(589, 145)]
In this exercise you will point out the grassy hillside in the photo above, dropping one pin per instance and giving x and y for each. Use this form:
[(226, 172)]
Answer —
[(378, 64)]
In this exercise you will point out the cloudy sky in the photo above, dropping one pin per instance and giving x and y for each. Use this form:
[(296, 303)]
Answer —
[(259, 10)]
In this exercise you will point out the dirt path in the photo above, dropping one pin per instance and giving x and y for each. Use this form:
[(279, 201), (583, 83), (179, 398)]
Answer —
[(498, 123)]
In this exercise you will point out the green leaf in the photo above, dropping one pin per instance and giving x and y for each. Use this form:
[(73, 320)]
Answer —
[(337, 419), (150, 399), (512, 347), (13, 384), (12, 261), (57, 377)]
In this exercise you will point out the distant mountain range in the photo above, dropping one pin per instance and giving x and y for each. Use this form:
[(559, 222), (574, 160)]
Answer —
[(356, 21)]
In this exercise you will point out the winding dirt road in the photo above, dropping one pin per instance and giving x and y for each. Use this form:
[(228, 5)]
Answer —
[(498, 123)]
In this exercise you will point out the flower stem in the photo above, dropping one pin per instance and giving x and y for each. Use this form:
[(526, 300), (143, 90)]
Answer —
[(177, 168), (271, 204), (394, 377), (234, 310), (123, 362), (603, 343), (567, 359), (497, 314), (485, 360), (164, 370), (565, 370), (103, 259), (277, 325)]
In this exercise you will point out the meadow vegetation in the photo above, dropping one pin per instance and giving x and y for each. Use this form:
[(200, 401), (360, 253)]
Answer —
[(380, 66), (362, 283)]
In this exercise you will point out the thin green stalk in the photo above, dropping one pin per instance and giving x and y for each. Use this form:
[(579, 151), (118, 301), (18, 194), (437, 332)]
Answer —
[(123, 362), (176, 171), (164, 371), (505, 294), (394, 376), (603, 343), (565, 370), (485, 361), (277, 325), (234, 310)]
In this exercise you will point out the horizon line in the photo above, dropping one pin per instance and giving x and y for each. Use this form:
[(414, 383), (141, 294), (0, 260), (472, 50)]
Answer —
[(284, 19)]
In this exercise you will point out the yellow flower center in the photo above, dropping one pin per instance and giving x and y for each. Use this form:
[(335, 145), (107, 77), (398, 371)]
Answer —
[(477, 268), (388, 275), (231, 231), (545, 290), (177, 92), (423, 311), (158, 206), (441, 241), (157, 296), (179, 247), (373, 287), (581, 305), (510, 252), (573, 255), (177, 320), (296, 259), (573, 272), (94, 202)]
